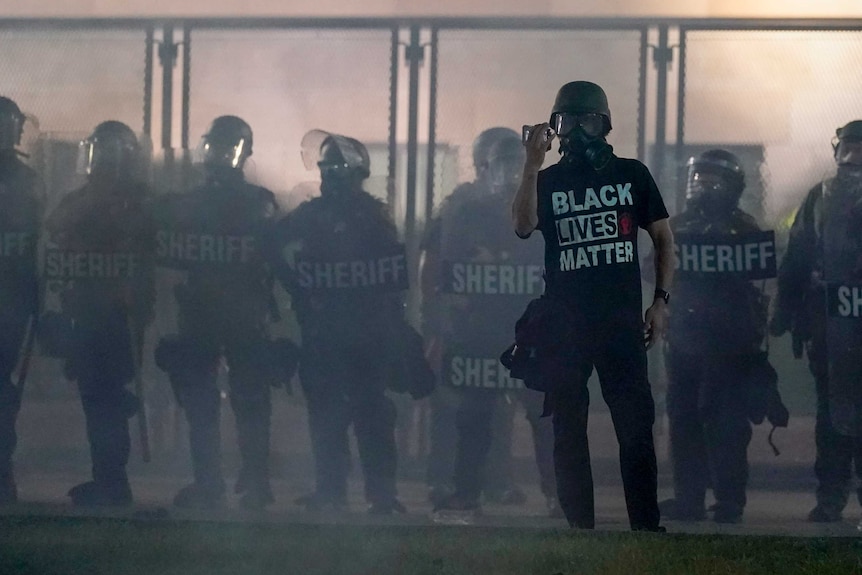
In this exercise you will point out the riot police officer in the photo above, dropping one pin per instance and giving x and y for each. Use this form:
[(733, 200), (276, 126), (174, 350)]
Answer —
[(213, 235), (341, 261), (487, 277), (822, 257), (21, 207), (100, 247), (715, 333), (444, 402)]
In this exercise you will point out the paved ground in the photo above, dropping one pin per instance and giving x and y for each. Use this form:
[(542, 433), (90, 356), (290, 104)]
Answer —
[(52, 457), (768, 512)]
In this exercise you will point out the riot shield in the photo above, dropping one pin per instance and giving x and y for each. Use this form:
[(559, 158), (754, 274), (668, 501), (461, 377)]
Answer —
[(841, 218), (487, 277)]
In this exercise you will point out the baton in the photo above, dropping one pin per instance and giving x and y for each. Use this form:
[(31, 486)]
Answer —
[(27, 356), (137, 352)]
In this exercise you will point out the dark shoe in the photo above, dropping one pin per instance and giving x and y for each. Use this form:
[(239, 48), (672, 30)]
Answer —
[(554, 509), (726, 514), (656, 529), (316, 502), (456, 502), (824, 514), (582, 525), (194, 496), (674, 510), (513, 496), (8, 489), (92, 494), (387, 507)]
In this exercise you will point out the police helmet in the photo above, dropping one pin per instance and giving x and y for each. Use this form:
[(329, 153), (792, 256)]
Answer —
[(483, 143), (112, 150), (342, 155), (11, 124), (845, 145), (576, 99), (850, 131), (227, 143), (716, 177)]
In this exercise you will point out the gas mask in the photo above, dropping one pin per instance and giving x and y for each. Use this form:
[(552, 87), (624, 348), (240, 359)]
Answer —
[(582, 136)]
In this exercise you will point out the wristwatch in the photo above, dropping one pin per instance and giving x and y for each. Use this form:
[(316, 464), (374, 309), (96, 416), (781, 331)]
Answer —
[(662, 294)]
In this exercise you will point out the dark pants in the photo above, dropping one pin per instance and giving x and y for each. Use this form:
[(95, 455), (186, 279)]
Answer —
[(12, 330), (343, 386), (709, 429), (101, 362), (499, 469), (443, 434), (620, 359), (474, 421), (838, 455), (197, 391)]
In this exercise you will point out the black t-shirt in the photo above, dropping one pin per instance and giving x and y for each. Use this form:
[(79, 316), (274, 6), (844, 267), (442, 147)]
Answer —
[(590, 222)]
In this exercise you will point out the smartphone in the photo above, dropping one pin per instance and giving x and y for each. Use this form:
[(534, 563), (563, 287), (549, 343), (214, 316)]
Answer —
[(527, 131)]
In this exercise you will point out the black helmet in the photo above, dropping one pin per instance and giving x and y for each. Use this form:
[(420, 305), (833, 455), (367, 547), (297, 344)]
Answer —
[(333, 153), (715, 180), (850, 131), (846, 148), (582, 97), (11, 124), (344, 153), (111, 151), (343, 161), (227, 143), (483, 143)]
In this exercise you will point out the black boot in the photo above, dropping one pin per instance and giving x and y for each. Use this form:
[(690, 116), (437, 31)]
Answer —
[(93, 494)]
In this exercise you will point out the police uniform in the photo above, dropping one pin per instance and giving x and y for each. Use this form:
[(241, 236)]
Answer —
[(214, 234), (21, 206), (715, 334), (824, 250), (500, 485), (443, 403), (99, 249), (341, 261), (487, 277)]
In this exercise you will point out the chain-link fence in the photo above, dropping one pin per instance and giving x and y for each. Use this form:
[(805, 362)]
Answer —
[(781, 92), (287, 82), (67, 80), (773, 96), (510, 77)]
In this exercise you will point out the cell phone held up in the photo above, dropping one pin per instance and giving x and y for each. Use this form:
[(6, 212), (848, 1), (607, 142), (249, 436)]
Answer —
[(527, 131)]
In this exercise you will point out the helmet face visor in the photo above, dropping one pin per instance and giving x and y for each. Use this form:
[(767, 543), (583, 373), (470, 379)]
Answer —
[(324, 150), (848, 152), (218, 152), (105, 157), (10, 131), (706, 183), (505, 172), (591, 123)]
